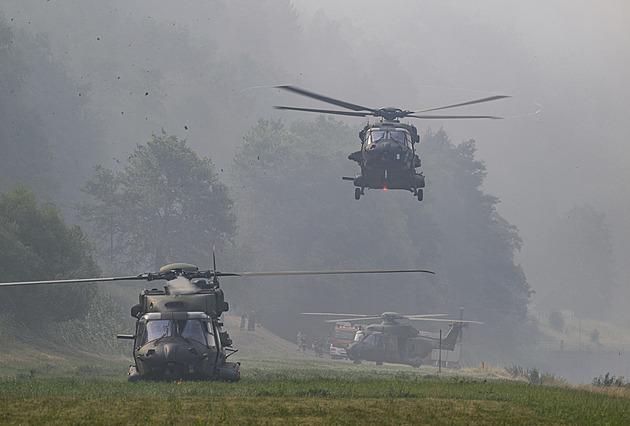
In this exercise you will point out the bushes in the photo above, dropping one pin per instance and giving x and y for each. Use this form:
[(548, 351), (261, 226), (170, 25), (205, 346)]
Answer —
[(607, 381), (532, 375)]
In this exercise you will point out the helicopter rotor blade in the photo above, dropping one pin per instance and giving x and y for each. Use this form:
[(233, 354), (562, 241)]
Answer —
[(449, 117), (212, 274), (355, 319), (76, 281), (215, 278), (323, 98), (324, 111), (338, 315), (476, 101), (425, 316), (451, 320), (339, 272)]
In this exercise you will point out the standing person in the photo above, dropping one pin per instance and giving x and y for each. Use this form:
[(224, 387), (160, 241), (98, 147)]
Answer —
[(303, 340), (243, 319), (251, 321), (299, 340)]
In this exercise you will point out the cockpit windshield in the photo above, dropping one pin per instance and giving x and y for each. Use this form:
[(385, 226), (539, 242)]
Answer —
[(399, 136), (373, 339), (377, 135), (156, 329), (190, 329)]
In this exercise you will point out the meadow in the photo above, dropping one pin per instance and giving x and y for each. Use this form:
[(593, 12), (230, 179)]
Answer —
[(297, 391)]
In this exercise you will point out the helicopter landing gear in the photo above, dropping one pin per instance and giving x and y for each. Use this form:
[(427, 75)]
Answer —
[(420, 195), (357, 193)]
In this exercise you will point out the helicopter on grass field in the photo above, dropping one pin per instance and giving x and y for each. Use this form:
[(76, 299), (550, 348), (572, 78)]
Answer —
[(387, 157), (179, 333), (396, 343)]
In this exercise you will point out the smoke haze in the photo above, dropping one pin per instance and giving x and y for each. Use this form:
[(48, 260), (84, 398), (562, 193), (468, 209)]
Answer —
[(205, 71)]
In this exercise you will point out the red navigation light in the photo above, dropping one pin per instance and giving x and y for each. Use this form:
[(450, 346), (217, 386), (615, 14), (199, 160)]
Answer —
[(384, 188)]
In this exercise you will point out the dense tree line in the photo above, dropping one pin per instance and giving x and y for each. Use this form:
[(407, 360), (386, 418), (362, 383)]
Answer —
[(36, 244)]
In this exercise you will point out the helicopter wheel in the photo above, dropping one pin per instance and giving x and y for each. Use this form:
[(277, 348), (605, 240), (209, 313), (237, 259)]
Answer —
[(420, 195), (357, 193)]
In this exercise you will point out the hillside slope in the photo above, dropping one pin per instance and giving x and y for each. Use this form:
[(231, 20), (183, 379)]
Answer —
[(260, 343)]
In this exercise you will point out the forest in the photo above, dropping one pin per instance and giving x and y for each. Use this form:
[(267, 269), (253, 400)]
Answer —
[(145, 141)]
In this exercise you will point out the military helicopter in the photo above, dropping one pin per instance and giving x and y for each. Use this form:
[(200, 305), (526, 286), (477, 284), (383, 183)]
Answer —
[(387, 158), (396, 343), (179, 333)]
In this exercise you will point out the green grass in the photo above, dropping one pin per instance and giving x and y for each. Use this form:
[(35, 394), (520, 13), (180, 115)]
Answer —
[(307, 391)]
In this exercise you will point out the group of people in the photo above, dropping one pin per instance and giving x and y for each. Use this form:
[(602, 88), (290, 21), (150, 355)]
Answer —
[(317, 345), (248, 318)]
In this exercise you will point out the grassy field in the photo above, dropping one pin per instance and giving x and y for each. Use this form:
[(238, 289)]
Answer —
[(295, 391), (45, 384)]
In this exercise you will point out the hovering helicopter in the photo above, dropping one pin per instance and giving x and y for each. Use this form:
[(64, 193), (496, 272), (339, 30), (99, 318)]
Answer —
[(396, 343), (179, 333), (387, 157)]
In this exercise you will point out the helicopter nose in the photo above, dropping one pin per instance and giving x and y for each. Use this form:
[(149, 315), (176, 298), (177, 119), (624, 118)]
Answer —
[(162, 354), (170, 351), (385, 149)]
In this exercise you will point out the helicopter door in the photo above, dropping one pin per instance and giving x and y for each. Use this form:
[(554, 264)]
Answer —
[(391, 346)]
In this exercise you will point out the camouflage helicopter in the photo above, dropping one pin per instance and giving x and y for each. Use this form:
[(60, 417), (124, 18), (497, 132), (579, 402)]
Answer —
[(387, 157), (396, 343), (179, 333)]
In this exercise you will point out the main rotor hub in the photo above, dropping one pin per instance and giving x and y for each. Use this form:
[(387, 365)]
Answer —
[(391, 113)]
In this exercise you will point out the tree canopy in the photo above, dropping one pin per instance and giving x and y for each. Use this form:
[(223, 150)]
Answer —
[(36, 244), (165, 205)]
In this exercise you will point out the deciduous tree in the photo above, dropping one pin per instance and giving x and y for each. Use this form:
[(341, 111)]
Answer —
[(165, 205), (36, 244)]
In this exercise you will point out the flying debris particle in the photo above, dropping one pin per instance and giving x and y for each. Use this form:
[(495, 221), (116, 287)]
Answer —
[(146, 94), (185, 127)]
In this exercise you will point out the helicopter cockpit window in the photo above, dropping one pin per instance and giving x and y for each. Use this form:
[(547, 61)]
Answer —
[(156, 329), (399, 136), (373, 339), (192, 329), (376, 135), (210, 333)]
